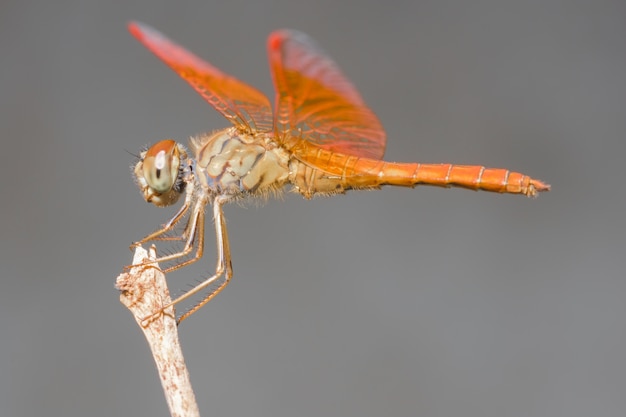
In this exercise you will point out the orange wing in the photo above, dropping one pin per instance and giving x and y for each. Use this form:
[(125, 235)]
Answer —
[(246, 108), (316, 102)]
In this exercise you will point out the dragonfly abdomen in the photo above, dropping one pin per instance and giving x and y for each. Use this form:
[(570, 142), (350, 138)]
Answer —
[(329, 172), (473, 177)]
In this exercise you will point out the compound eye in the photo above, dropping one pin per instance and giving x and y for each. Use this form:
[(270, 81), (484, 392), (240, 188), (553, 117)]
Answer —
[(160, 166)]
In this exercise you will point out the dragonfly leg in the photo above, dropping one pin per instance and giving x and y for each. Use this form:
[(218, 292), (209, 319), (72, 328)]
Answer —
[(180, 214), (194, 232), (196, 219), (223, 267), (166, 228)]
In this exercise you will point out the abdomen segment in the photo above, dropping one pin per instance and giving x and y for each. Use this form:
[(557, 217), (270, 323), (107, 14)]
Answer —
[(473, 177), (334, 172)]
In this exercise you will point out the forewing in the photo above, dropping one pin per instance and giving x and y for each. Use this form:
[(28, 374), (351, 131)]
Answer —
[(316, 102), (246, 108)]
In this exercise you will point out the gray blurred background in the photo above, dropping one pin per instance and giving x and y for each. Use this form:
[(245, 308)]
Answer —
[(399, 302)]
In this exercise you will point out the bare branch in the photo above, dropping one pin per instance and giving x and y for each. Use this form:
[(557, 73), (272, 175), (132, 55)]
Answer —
[(144, 291)]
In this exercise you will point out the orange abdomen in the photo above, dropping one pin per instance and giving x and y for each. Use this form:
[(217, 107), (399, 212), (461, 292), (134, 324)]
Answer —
[(473, 177), (353, 172)]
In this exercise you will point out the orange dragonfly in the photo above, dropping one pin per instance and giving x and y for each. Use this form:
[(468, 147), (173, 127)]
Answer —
[(321, 138)]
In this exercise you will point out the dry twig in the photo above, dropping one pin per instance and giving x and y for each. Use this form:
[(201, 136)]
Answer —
[(144, 291)]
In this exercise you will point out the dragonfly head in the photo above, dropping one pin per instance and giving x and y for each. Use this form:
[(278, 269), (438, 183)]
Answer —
[(159, 173)]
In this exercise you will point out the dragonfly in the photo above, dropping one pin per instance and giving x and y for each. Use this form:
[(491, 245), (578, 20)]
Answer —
[(320, 138)]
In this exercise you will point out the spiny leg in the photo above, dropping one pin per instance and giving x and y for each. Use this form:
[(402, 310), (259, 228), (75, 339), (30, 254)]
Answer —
[(166, 228), (180, 214), (223, 267), (156, 235), (194, 227), (224, 262), (193, 230)]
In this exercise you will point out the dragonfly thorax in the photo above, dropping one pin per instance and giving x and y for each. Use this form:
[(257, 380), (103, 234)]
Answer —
[(230, 162)]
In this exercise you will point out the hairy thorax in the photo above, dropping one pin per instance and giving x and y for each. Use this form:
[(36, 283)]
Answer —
[(235, 163), (231, 162)]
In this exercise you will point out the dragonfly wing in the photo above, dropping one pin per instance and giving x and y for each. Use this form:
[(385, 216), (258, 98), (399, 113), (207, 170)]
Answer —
[(316, 102), (246, 107)]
